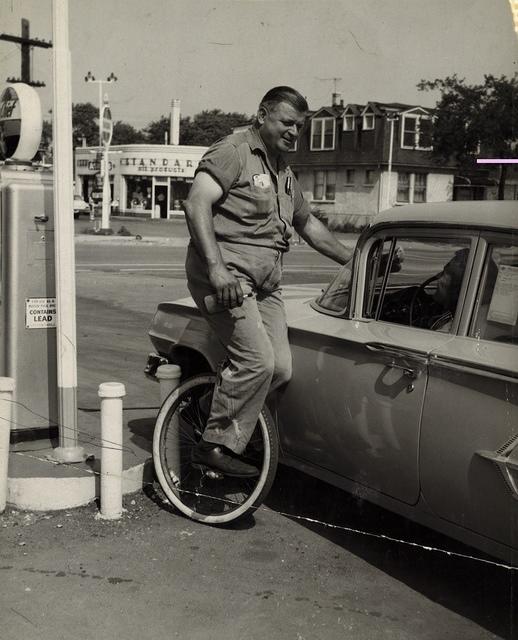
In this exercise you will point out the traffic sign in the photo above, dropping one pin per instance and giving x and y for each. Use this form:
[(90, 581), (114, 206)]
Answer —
[(106, 125)]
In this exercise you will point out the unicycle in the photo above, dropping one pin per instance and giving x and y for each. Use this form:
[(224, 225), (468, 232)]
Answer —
[(200, 493)]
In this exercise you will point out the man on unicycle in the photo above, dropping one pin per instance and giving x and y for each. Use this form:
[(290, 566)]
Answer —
[(241, 211)]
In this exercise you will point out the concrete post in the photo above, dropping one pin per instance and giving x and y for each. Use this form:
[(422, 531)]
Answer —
[(68, 449), (111, 394), (6, 397), (169, 377)]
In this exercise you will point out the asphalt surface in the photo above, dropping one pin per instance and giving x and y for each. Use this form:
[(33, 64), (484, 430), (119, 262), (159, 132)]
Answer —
[(312, 563)]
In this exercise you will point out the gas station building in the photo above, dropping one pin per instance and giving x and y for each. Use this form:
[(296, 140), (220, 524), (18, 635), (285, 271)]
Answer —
[(145, 179)]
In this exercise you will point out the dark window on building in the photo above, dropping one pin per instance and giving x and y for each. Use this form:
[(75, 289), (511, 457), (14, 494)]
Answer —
[(420, 187), (369, 177), (403, 187), (324, 185), (322, 134)]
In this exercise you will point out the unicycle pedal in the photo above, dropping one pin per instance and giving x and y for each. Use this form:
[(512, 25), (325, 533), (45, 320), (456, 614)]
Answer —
[(211, 474)]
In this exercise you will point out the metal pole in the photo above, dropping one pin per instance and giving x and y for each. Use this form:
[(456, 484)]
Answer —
[(106, 203), (68, 449), (100, 83), (391, 144)]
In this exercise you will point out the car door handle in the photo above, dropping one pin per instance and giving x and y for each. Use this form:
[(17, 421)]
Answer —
[(397, 355), (407, 371)]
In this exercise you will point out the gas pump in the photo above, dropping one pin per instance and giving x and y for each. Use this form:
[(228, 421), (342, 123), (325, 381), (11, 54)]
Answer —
[(27, 279)]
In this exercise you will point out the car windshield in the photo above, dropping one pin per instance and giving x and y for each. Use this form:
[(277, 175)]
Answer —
[(336, 296)]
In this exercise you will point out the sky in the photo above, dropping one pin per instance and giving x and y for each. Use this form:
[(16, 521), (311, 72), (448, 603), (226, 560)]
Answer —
[(226, 54)]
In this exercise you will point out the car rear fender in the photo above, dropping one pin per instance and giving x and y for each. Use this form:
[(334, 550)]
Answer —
[(181, 335)]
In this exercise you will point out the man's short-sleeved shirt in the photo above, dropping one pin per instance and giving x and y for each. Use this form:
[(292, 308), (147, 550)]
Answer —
[(258, 205)]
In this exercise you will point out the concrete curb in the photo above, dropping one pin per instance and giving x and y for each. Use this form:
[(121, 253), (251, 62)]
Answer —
[(130, 240), (53, 494)]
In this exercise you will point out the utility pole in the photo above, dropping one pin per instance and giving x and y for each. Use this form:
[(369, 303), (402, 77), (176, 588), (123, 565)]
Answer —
[(392, 118), (26, 44)]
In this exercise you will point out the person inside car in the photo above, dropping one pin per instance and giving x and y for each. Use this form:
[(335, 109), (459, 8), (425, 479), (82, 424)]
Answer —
[(416, 307)]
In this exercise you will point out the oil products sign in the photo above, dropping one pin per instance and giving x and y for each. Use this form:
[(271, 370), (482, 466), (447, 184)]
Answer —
[(40, 313)]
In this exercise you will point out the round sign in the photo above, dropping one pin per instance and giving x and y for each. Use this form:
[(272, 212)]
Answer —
[(106, 125), (20, 122)]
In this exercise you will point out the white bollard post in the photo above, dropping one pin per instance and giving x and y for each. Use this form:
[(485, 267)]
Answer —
[(111, 394), (169, 377), (6, 398)]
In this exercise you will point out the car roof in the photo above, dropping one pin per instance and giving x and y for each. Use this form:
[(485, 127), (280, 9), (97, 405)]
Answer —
[(479, 213)]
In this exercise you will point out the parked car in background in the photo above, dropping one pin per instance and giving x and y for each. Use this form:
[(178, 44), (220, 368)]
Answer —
[(80, 206), (405, 380)]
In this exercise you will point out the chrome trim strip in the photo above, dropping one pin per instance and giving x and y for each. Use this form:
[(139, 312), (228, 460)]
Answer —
[(461, 365)]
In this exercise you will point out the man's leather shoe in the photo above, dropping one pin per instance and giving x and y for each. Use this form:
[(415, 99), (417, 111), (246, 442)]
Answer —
[(214, 458)]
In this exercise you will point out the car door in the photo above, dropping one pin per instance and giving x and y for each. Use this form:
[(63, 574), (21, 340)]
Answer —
[(354, 404), (469, 441)]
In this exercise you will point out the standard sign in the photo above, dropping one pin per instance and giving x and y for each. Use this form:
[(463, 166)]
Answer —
[(40, 313)]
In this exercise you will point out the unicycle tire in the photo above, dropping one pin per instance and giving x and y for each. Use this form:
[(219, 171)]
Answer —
[(198, 492)]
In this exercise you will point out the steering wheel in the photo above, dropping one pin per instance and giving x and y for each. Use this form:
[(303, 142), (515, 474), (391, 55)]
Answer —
[(417, 302)]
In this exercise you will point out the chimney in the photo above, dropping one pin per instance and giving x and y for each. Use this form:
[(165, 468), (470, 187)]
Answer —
[(335, 99), (174, 122)]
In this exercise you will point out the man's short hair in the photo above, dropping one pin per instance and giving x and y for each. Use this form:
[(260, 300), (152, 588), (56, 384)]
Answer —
[(284, 94)]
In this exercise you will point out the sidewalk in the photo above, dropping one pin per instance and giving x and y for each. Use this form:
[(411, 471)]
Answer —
[(38, 483)]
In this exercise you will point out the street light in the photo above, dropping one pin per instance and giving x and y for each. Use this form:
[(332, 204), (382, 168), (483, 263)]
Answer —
[(392, 118), (104, 143), (91, 78)]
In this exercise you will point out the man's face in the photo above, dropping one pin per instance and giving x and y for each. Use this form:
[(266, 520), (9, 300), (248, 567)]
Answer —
[(280, 126)]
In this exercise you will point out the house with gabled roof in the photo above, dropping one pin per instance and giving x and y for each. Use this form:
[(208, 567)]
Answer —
[(354, 160)]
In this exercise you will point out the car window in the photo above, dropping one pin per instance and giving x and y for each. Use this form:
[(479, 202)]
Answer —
[(415, 281), (336, 297), (496, 312)]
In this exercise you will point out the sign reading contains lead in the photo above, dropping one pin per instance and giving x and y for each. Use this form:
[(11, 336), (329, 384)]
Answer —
[(40, 313)]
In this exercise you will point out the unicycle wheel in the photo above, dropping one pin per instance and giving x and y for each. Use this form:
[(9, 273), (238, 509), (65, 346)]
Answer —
[(201, 493)]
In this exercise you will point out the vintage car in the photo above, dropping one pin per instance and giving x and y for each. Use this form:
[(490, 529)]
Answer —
[(405, 383), (80, 206)]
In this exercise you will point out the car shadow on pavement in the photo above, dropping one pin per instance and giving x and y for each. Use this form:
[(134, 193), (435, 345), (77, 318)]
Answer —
[(483, 593)]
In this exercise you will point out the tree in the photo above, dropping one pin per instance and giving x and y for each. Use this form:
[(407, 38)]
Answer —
[(124, 133), (204, 129), (155, 131), (471, 120), (85, 124), (208, 126)]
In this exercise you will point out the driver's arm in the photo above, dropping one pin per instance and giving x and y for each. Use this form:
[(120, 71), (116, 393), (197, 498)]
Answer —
[(318, 236)]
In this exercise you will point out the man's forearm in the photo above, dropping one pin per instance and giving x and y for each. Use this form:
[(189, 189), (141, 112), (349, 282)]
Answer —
[(318, 236)]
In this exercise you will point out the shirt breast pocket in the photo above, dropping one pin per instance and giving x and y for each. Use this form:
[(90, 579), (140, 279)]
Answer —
[(262, 200)]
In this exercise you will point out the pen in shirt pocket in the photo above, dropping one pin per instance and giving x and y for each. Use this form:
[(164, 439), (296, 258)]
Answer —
[(288, 188)]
